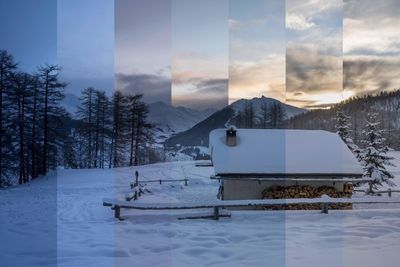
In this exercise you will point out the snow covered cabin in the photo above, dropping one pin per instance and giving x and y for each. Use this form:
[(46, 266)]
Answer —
[(248, 161)]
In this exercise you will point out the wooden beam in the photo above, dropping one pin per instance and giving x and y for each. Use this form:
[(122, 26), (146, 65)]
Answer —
[(274, 179), (287, 175), (204, 217)]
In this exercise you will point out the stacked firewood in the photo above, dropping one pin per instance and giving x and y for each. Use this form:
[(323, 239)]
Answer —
[(304, 191)]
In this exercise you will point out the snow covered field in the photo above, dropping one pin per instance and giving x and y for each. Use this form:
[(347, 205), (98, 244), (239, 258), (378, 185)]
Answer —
[(62, 222)]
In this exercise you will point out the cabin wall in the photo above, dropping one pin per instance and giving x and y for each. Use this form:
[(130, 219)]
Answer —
[(245, 189)]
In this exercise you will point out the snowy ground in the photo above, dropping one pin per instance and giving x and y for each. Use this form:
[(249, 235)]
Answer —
[(62, 222)]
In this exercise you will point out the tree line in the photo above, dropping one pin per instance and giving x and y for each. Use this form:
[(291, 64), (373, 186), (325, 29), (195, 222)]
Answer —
[(110, 132), (386, 104), (30, 120), (37, 134), (270, 116)]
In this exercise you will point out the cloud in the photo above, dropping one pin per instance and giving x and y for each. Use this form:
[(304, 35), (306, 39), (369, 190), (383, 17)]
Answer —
[(371, 46), (234, 24), (298, 22), (312, 69), (153, 87), (373, 29), (363, 74), (189, 67), (213, 86), (209, 93), (266, 76), (199, 80), (312, 8), (303, 15)]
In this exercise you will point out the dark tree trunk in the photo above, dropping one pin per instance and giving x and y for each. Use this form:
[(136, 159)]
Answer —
[(34, 122), (45, 126)]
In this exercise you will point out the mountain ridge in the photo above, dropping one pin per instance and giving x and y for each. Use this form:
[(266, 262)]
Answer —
[(198, 134)]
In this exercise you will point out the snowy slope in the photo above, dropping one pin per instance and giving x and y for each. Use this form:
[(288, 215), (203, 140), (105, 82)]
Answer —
[(176, 118), (61, 221)]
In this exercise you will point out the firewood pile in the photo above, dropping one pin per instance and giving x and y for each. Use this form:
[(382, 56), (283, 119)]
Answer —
[(304, 191)]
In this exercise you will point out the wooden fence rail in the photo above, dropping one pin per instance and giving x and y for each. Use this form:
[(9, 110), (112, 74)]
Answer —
[(389, 191), (160, 181), (217, 205)]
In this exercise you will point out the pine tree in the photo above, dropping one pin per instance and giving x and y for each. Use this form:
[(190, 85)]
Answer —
[(52, 90), (119, 130), (374, 156), (19, 97), (265, 117), (86, 114), (249, 115), (7, 67), (143, 136), (133, 105), (101, 104), (343, 126), (277, 115), (34, 143)]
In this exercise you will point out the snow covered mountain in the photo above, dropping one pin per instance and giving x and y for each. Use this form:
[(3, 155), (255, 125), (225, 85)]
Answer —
[(198, 134), (258, 102), (177, 119), (169, 120)]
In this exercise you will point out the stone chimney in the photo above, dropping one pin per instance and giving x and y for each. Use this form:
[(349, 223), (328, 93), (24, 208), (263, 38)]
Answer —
[(231, 136)]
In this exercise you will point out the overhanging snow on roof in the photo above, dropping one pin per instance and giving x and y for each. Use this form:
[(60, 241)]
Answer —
[(261, 153)]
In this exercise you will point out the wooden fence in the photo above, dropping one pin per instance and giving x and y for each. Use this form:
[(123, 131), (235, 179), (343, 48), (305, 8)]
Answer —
[(138, 188), (389, 192), (324, 201)]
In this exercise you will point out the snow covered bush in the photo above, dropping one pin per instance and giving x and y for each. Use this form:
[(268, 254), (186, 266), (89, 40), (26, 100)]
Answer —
[(374, 155)]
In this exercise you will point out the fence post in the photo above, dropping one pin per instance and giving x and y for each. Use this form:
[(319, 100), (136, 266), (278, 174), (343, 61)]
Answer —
[(137, 178), (216, 213), (117, 212), (390, 192), (325, 208), (160, 181), (185, 182)]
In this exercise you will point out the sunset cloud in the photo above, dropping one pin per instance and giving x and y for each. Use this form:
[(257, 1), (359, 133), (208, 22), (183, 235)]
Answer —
[(371, 46), (366, 74), (257, 50), (314, 64)]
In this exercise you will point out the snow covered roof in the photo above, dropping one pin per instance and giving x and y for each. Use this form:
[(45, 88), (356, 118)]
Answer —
[(282, 152)]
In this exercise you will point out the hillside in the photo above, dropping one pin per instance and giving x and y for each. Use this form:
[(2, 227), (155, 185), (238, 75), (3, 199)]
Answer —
[(198, 134), (177, 119), (387, 104)]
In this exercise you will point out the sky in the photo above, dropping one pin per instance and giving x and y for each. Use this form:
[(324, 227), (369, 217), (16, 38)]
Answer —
[(85, 44), (29, 31), (371, 46), (200, 39), (142, 35), (314, 52), (206, 54), (256, 49)]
